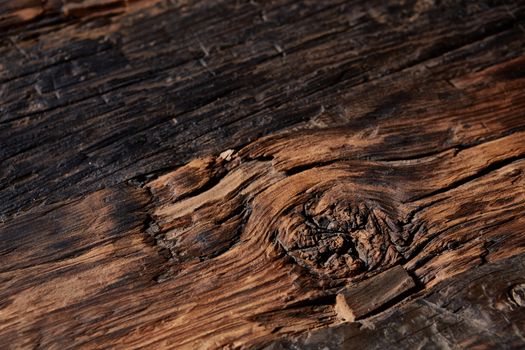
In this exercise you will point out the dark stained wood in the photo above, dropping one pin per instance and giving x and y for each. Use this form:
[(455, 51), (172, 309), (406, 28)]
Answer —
[(200, 174), (90, 104)]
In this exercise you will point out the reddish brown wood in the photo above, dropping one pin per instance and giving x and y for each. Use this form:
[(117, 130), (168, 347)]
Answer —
[(210, 175)]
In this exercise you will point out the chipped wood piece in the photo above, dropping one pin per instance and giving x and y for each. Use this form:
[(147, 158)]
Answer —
[(372, 294)]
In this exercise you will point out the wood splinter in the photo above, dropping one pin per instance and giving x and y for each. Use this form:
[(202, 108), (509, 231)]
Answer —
[(362, 298)]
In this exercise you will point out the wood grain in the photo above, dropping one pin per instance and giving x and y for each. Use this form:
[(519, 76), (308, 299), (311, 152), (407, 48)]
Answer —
[(472, 310), (211, 175)]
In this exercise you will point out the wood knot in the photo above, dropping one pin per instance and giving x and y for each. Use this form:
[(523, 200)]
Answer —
[(336, 236), (322, 217)]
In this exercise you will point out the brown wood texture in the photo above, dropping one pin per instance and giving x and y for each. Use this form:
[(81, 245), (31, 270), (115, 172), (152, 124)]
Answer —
[(477, 309), (201, 174)]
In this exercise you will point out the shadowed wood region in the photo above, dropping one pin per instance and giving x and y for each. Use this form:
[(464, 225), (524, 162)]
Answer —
[(269, 175)]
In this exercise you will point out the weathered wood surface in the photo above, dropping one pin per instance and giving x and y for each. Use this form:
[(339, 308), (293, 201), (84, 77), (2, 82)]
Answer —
[(205, 175), (479, 309)]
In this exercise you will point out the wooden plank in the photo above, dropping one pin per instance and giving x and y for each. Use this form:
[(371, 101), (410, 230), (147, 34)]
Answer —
[(211, 174)]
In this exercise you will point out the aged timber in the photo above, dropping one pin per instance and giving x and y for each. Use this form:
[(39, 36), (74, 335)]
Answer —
[(242, 174)]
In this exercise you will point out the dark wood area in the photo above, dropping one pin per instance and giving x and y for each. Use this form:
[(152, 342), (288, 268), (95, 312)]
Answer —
[(262, 174)]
